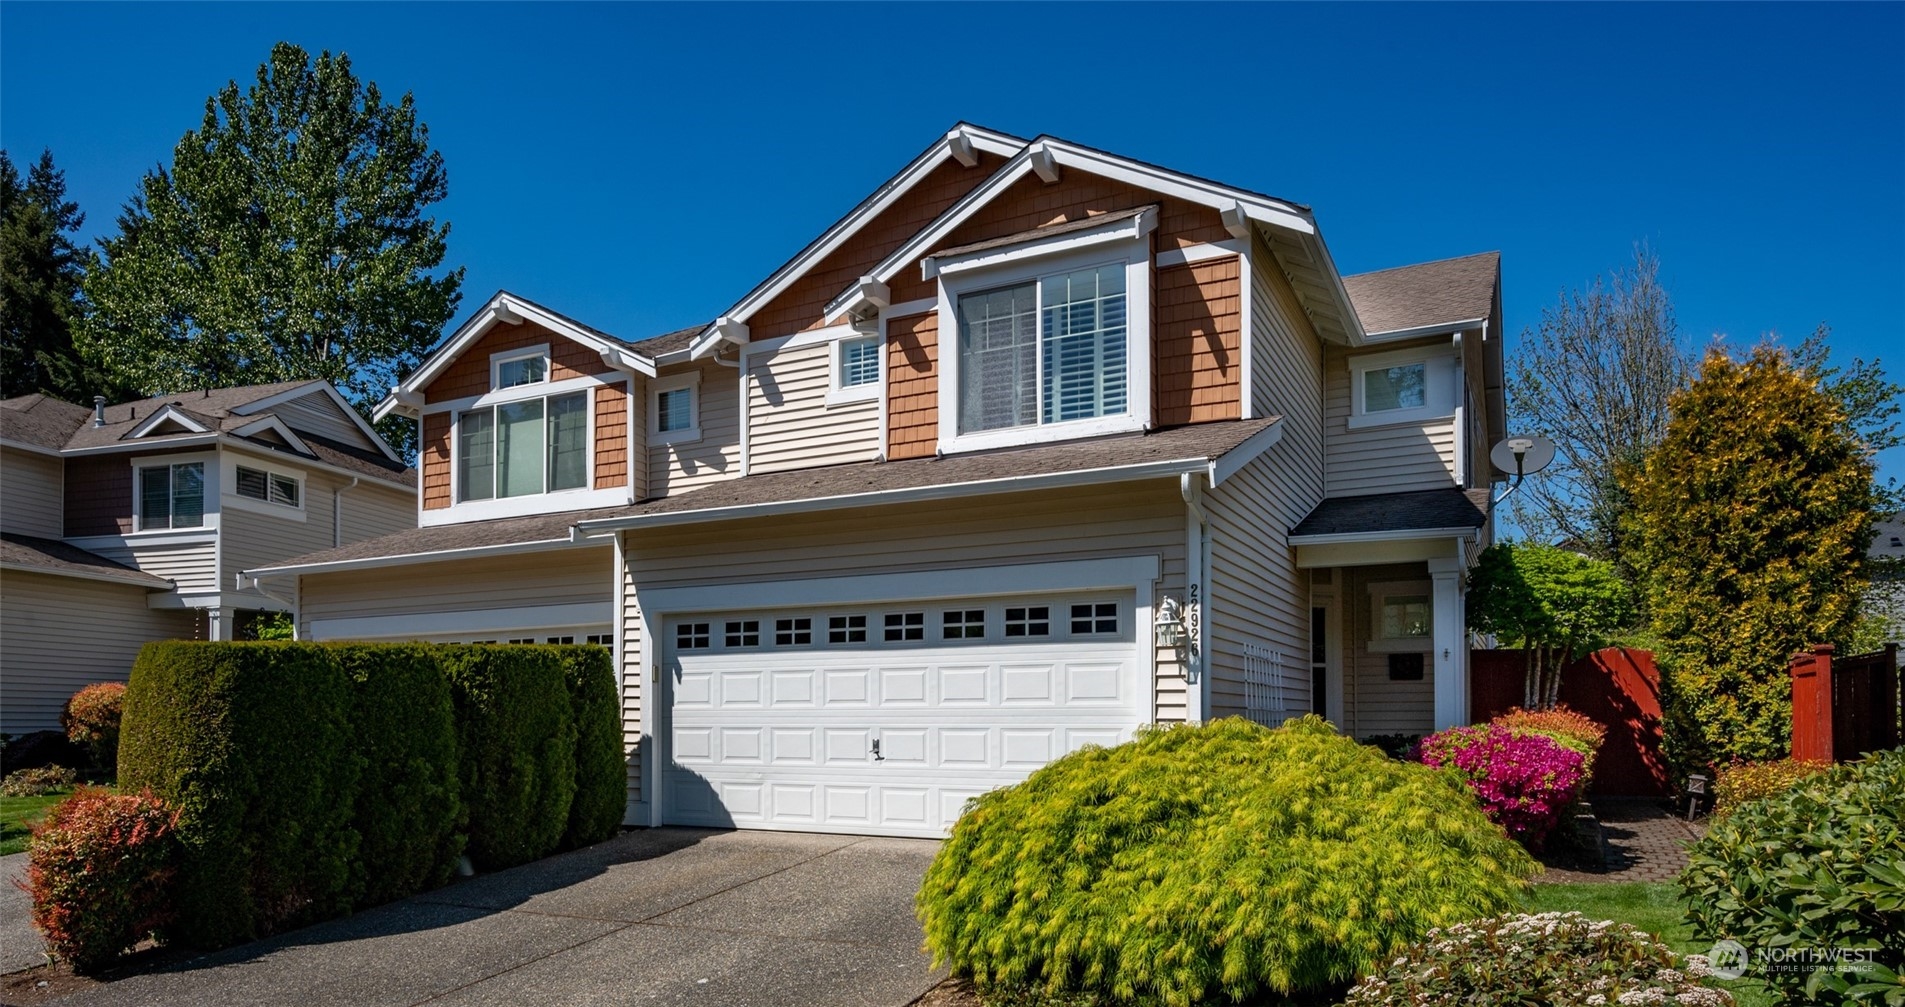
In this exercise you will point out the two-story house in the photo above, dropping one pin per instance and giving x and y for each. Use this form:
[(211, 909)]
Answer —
[(125, 524), (1035, 446)]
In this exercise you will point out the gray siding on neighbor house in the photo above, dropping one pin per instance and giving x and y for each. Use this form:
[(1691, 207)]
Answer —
[(252, 534), (319, 414), (32, 493), (60, 633), (563, 576)]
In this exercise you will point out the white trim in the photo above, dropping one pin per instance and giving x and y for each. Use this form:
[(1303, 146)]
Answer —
[(7, 442), (944, 491), (1247, 328), (501, 357), (962, 136), (142, 539), (519, 393), (1191, 254), (1437, 393), (1401, 535), (170, 411), (1136, 258), (839, 394), (1124, 229), (918, 306), (502, 309), (585, 497), (336, 397), (260, 405), (723, 330), (1226, 465), (275, 425), (1437, 329), (1119, 573), (797, 340), (674, 382), (131, 578), (414, 558), (210, 496), (494, 506), (228, 465), (148, 444), (497, 620)]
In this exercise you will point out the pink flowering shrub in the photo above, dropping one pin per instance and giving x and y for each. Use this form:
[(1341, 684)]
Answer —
[(1524, 781)]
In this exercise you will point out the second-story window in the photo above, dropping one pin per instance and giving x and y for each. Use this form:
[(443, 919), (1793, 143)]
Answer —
[(1049, 351), (268, 486), (523, 448), (530, 367), (1404, 386), (859, 361), (674, 409), (172, 496)]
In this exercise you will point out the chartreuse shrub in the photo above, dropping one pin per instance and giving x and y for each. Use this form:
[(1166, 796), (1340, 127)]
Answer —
[(408, 811), (1525, 781), (1744, 782), (1808, 874), (1548, 958), (100, 872), (516, 731), (601, 776), (251, 745), (1208, 863)]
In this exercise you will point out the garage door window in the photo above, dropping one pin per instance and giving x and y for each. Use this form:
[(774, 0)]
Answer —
[(964, 624), (1035, 620), (847, 629), (691, 636), (744, 633), (1093, 619), (902, 626), (793, 632)]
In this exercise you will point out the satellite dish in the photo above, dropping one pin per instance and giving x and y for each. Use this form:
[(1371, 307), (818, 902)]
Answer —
[(1522, 456)]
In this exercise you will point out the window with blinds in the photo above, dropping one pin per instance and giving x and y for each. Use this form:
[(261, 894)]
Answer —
[(1048, 351)]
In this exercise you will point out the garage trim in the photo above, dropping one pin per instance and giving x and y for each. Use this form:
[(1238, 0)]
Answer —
[(655, 606), (485, 620)]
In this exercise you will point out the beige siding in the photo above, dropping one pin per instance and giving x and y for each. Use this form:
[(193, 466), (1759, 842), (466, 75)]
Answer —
[(321, 415), (791, 426), (191, 566), (1372, 704), (676, 468), (1259, 601), (60, 633), (374, 511), (1081, 523), (31, 487), (562, 576), (250, 538), (1385, 459)]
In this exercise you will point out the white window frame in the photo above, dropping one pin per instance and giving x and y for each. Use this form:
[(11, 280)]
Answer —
[(1438, 386), (1029, 266), (545, 392), (497, 360), (839, 393), (228, 473), (672, 383), (1379, 593), (213, 500)]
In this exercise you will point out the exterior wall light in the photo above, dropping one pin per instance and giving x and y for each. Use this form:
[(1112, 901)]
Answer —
[(1169, 624)]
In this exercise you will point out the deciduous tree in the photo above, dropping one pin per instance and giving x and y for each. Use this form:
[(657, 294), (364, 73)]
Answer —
[(288, 240), (1555, 604), (1751, 522)]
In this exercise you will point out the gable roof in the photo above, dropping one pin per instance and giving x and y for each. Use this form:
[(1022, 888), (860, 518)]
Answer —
[(1426, 295), (1289, 227), (51, 556), (40, 422)]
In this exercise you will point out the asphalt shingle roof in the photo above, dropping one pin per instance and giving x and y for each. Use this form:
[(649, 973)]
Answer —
[(41, 421), (1429, 293), (45, 555), (1048, 231), (1422, 510)]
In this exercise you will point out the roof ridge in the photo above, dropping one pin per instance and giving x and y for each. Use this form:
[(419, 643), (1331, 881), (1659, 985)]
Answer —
[(1496, 252)]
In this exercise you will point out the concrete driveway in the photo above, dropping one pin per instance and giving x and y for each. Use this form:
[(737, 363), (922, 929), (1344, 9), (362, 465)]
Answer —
[(660, 916)]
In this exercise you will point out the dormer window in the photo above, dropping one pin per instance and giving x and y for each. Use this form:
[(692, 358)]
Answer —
[(856, 370), (673, 409), (516, 368), (522, 448)]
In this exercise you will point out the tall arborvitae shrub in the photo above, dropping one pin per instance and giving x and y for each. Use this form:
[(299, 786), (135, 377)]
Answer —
[(1750, 524), (409, 811), (601, 775), (251, 744), (516, 731)]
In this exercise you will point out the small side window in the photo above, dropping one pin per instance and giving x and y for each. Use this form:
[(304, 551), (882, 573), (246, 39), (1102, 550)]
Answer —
[(859, 362)]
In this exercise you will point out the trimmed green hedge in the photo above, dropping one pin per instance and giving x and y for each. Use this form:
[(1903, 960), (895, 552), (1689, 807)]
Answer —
[(601, 773), (312, 779), (409, 809), (251, 743)]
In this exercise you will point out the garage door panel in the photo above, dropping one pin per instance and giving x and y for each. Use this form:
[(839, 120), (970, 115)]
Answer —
[(769, 736)]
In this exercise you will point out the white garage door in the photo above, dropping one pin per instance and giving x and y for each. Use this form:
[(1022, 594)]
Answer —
[(885, 719)]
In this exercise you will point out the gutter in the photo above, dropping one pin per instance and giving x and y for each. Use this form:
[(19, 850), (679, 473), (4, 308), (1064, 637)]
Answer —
[(337, 512), (1397, 535), (227, 440)]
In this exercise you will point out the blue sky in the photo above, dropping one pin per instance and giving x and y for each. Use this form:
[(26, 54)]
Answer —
[(641, 166)]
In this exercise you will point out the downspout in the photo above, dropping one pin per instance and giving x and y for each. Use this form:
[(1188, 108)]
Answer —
[(1196, 562), (337, 511), (1461, 414)]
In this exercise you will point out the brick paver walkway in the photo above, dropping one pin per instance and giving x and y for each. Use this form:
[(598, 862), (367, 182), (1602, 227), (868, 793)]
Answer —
[(1646, 842)]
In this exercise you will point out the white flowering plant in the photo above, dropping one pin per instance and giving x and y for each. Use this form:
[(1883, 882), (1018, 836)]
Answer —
[(1563, 959)]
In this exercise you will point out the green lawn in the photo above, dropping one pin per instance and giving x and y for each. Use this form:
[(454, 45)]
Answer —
[(1651, 907), (18, 816)]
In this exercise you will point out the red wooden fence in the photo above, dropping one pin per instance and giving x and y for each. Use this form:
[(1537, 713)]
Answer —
[(1844, 707), (1617, 687)]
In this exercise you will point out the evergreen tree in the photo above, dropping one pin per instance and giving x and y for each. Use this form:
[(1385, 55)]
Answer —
[(40, 274), (288, 240), (1750, 525)]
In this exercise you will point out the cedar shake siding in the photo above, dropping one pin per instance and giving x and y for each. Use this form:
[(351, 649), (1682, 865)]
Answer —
[(801, 305), (1197, 343), (435, 461), (912, 386), (611, 436), (1030, 204), (469, 375)]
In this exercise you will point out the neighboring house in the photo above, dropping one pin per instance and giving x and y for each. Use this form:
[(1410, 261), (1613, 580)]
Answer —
[(1036, 446), (129, 523), (1886, 596)]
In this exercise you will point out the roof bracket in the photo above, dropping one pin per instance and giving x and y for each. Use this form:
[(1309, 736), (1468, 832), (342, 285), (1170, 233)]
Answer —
[(1236, 220), (960, 146), (506, 312), (1043, 163)]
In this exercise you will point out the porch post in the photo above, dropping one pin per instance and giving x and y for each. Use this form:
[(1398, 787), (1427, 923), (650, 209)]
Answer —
[(221, 623), (1450, 657)]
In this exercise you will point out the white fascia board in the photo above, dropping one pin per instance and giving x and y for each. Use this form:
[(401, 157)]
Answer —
[(398, 401), (1321, 252), (1127, 229), (501, 309), (149, 444), (275, 425), (912, 494), (169, 411), (410, 559), (1399, 535), (226, 440), (899, 185), (1226, 465), (629, 360), (1438, 329), (130, 578), (726, 329)]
